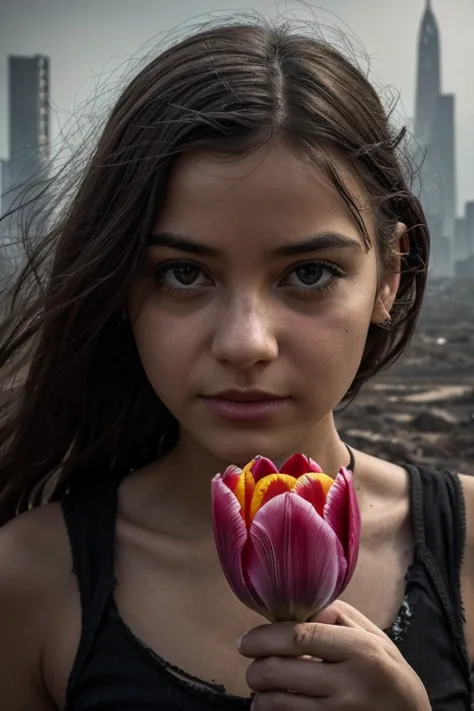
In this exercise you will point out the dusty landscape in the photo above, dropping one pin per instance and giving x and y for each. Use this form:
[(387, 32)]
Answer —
[(422, 409)]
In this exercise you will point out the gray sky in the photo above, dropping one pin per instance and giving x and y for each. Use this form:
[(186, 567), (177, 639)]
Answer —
[(87, 39)]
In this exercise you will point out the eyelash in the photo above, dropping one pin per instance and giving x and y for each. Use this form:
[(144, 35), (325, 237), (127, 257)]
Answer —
[(190, 292)]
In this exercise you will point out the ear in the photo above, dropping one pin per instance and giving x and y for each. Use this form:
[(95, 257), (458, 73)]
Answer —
[(390, 279)]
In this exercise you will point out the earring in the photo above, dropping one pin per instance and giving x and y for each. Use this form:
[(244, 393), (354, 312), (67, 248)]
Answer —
[(386, 324)]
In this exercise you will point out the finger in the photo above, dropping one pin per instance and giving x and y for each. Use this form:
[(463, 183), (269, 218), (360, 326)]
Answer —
[(281, 701), (331, 643), (302, 676), (340, 613)]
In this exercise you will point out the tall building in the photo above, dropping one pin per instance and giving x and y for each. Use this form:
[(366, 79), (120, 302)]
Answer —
[(443, 155), (428, 85), (435, 140), (29, 133), (470, 229), (460, 239), (464, 256)]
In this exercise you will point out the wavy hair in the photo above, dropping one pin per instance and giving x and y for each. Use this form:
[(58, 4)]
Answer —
[(85, 410)]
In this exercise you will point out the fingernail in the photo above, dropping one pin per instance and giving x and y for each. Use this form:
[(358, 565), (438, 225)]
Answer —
[(240, 640)]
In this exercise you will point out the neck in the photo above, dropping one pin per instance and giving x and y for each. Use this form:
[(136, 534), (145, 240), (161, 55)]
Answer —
[(185, 476)]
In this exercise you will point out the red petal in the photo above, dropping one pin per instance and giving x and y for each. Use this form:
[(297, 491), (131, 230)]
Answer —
[(299, 464), (343, 515), (294, 558), (296, 465), (314, 466), (230, 533), (231, 476), (263, 467)]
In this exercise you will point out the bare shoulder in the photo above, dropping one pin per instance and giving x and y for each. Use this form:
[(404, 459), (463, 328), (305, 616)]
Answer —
[(387, 481), (468, 489), (467, 573), (40, 531), (34, 552), (467, 483), (35, 567)]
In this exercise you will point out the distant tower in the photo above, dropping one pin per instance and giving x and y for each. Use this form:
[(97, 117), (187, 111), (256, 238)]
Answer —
[(435, 136), (443, 152), (470, 229), (428, 86), (29, 134)]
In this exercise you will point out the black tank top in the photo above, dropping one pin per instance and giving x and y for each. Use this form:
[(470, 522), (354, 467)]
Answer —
[(115, 671)]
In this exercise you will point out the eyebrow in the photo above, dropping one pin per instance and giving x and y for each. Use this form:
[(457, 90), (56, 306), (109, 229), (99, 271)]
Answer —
[(315, 243)]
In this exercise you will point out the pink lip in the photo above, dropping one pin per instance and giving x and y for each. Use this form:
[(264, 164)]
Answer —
[(252, 411)]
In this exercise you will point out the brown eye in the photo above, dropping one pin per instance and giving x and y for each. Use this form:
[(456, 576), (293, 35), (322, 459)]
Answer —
[(310, 274), (313, 276), (181, 275), (185, 274)]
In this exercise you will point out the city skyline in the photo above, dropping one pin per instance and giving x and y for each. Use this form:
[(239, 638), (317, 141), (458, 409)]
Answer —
[(88, 40), (434, 126)]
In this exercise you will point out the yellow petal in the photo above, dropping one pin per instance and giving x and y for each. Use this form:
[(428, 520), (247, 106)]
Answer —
[(325, 480), (244, 492), (249, 465), (267, 488)]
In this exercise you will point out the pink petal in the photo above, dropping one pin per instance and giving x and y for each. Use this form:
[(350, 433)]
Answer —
[(294, 558), (230, 534), (263, 467), (343, 515), (299, 464)]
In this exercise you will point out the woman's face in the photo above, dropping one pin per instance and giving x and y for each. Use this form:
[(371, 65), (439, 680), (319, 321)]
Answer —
[(257, 279)]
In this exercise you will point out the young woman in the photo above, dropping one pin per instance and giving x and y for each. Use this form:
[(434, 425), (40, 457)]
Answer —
[(244, 233)]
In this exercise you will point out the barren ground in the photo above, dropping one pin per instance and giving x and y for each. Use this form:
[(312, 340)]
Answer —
[(422, 409)]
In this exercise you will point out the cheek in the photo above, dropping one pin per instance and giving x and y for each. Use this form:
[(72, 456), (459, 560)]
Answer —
[(165, 348), (339, 323), (328, 348)]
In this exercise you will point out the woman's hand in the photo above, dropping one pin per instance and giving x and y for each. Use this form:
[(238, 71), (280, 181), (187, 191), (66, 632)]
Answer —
[(341, 662)]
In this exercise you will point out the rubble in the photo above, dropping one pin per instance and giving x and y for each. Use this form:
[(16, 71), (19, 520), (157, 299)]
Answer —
[(422, 409)]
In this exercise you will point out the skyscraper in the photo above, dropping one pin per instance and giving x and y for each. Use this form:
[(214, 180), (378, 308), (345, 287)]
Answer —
[(428, 86), (470, 229), (435, 138), (29, 132), (460, 240), (442, 150)]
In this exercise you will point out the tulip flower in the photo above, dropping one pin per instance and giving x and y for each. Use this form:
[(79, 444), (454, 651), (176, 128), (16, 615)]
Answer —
[(287, 540)]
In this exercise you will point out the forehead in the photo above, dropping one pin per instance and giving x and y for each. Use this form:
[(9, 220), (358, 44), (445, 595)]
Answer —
[(271, 191)]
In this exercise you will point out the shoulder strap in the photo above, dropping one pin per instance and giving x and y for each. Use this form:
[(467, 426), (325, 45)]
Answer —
[(440, 532), (90, 522)]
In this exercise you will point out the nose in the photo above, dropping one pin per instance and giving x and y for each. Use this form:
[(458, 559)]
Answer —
[(244, 335)]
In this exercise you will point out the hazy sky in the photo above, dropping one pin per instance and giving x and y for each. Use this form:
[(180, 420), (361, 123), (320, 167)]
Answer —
[(86, 39)]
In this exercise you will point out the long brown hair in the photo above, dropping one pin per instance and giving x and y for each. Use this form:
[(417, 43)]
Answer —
[(85, 410)]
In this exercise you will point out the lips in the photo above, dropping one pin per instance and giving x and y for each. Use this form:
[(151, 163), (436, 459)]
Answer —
[(245, 406), (246, 396)]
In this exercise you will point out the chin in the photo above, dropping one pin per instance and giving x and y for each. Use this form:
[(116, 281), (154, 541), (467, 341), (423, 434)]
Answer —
[(241, 448)]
